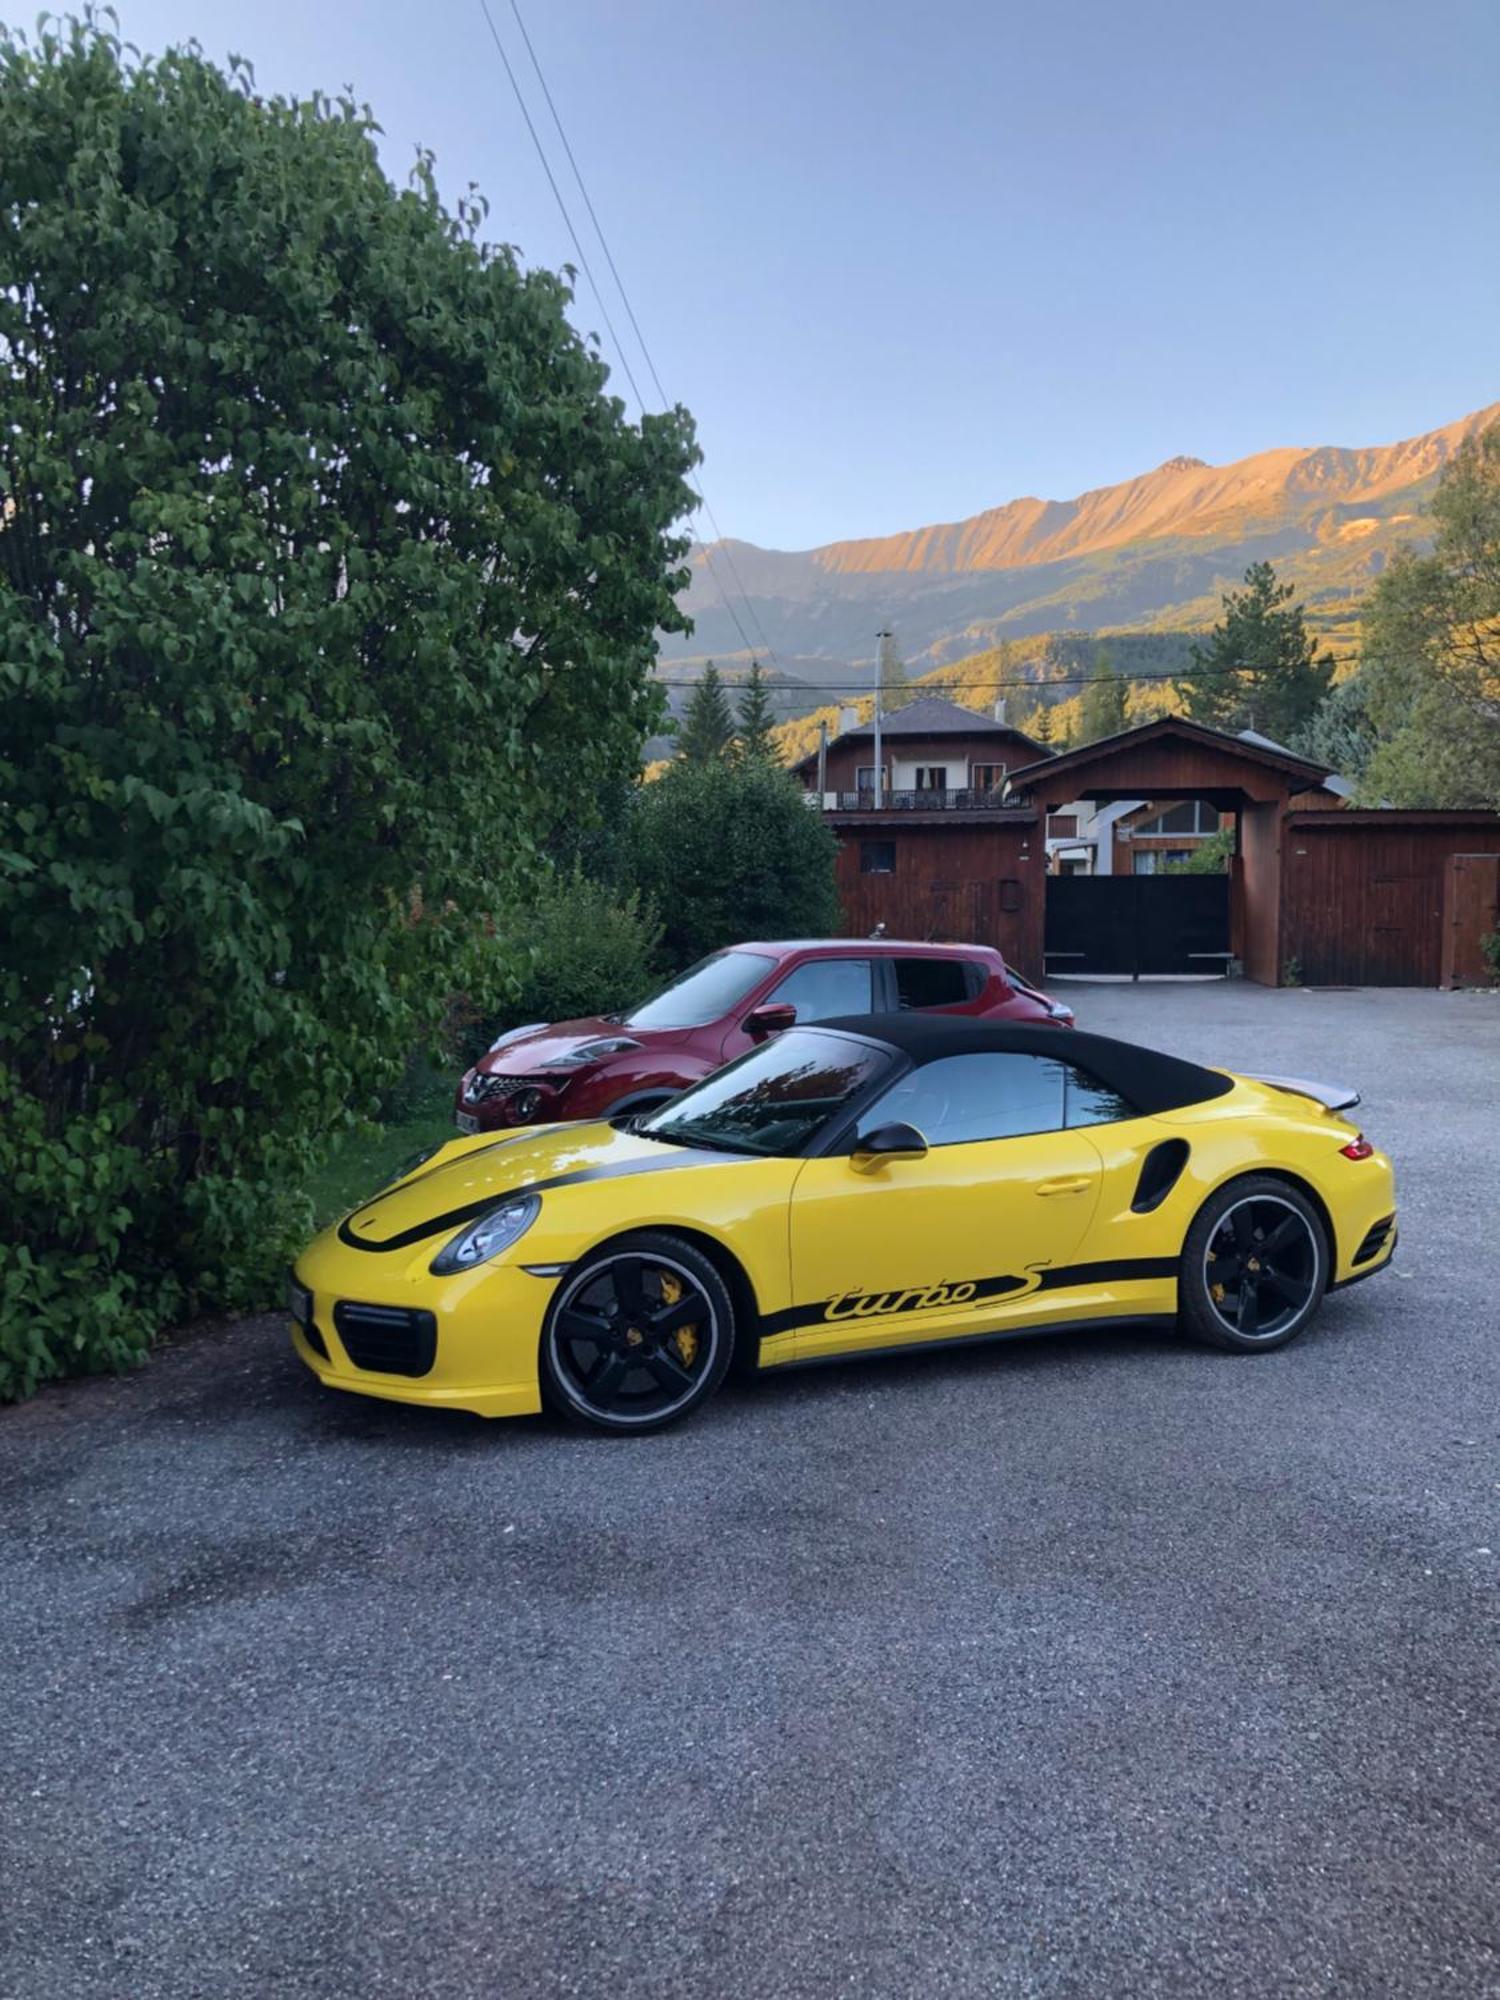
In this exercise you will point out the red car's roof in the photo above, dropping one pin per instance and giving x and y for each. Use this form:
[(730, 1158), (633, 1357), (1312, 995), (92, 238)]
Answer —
[(783, 947)]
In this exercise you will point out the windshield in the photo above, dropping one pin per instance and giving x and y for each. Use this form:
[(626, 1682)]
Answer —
[(705, 992), (774, 1100)]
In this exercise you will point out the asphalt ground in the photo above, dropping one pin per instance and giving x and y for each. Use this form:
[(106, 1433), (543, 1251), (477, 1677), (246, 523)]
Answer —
[(1086, 1666)]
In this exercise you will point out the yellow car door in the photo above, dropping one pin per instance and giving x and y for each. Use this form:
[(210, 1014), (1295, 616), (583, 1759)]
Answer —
[(895, 1247)]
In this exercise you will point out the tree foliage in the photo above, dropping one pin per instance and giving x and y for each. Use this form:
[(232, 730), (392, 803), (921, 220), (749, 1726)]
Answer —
[(1430, 652), (756, 717), (577, 947), (1102, 710), (727, 851), (895, 686), (708, 721), (1341, 733), (328, 579), (1261, 668)]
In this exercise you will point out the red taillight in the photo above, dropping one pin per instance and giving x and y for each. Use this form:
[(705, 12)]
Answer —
[(1357, 1149)]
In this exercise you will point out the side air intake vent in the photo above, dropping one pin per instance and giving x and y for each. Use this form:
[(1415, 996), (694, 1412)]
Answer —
[(1159, 1174)]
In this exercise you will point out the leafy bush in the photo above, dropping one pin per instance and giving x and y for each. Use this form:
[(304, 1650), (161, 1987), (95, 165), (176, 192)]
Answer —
[(731, 850), (1210, 857), (328, 584), (579, 948)]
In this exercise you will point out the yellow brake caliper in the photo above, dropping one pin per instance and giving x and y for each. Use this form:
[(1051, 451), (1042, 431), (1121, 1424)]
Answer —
[(685, 1339)]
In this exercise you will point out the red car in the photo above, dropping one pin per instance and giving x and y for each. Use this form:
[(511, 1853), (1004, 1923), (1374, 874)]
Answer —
[(610, 1064)]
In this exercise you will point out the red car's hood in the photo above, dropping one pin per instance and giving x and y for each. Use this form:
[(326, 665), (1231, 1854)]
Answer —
[(533, 1049)]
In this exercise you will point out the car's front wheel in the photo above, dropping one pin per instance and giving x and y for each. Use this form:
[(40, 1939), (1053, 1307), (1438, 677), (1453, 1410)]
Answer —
[(1254, 1266), (639, 1334)]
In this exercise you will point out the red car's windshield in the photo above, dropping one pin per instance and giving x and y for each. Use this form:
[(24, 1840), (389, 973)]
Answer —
[(704, 993)]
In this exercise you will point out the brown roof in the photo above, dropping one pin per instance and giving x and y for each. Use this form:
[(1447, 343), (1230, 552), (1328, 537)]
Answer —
[(930, 715), (1254, 750)]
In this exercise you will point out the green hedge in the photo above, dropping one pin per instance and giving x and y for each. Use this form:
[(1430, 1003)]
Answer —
[(328, 582)]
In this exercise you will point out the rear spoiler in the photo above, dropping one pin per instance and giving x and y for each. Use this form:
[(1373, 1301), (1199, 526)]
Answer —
[(1332, 1096)]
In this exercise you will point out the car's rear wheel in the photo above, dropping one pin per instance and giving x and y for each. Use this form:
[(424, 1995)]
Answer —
[(639, 1335), (1254, 1266)]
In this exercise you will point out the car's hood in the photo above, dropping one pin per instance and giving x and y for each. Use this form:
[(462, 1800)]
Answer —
[(534, 1049), (471, 1175)]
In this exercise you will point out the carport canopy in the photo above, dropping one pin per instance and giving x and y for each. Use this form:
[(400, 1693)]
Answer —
[(1173, 758)]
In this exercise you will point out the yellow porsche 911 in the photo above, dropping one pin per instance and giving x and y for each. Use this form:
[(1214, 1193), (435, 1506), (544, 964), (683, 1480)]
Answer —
[(872, 1183)]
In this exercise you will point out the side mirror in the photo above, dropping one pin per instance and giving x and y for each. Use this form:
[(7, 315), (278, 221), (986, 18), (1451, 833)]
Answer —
[(772, 1019), (884, 1144)]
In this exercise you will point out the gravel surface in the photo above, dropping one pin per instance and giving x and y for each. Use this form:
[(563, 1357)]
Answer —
[(1086, 1666)]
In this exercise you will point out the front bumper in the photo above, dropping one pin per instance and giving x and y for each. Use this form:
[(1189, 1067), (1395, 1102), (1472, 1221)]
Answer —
[(464, 1343)]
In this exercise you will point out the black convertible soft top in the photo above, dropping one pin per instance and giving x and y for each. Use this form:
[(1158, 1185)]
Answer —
[(1146, 1078)]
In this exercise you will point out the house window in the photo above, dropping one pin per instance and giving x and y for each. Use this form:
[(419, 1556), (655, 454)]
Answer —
[(989, 777), (932, 777), (877, 857), (1187, 816), (864, 778)]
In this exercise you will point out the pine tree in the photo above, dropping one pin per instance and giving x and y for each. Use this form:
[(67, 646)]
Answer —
[(895, 689), (1261, 668), (708, 722), (1103, 704), (756, 717), (1041, 726)]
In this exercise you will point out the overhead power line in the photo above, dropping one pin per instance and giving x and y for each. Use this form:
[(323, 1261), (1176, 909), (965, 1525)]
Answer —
[(709, 551), (925, 686)]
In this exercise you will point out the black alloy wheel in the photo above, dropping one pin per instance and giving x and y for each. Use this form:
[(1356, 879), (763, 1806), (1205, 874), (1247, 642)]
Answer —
[(638, 1335), (1254, 1266)]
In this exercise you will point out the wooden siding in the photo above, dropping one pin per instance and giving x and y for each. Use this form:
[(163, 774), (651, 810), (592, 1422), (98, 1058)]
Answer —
[(1471, 912), (1166, 768), (964, 880), (1257, 920), (1362, 892)]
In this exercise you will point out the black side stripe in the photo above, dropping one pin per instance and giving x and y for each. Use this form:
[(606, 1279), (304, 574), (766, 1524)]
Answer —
[(1055, 1278), (455, 1218), (1101, 1274)]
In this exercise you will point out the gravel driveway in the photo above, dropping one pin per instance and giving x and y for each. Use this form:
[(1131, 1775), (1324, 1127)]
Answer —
[(1086, 1666)]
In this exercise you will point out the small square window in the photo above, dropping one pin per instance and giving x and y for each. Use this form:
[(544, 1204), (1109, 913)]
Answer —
[(877, 857)]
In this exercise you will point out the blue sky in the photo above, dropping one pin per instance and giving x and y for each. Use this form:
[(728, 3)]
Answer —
[(906, 262)]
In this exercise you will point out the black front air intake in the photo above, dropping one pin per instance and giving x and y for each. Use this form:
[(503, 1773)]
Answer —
[(388, 1340)]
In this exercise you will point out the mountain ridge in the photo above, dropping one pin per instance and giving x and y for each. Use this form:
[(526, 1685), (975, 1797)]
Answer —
[(1151, 552)]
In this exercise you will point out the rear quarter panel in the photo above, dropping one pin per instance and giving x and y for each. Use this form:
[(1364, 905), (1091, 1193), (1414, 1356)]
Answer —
[(1254, 1130)]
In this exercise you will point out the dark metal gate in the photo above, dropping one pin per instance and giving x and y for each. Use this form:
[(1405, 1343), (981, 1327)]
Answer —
[(1137, 924)]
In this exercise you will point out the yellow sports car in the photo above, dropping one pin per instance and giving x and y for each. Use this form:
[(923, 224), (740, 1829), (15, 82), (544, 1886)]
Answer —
[(878, 1182)]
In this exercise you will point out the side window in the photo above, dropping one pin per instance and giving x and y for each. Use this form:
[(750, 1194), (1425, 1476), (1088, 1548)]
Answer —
[(825, 987), (930, 982), (960, 1099), (1091, 1103)]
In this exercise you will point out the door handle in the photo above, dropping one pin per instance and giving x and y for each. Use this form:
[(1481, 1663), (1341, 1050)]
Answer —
[(1072, 1184)]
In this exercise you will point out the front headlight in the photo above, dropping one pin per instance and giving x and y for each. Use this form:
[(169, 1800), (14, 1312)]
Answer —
[(493, 1232), (592, 1052)]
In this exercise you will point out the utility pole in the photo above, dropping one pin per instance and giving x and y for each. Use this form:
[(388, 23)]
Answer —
[(822, 766), (881, 640)]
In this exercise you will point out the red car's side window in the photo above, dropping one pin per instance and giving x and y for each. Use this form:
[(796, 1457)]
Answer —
[(932, 983), (822, 988)]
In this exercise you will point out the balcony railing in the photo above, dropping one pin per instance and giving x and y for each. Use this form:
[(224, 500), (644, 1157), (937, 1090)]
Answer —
[(925, 800)]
